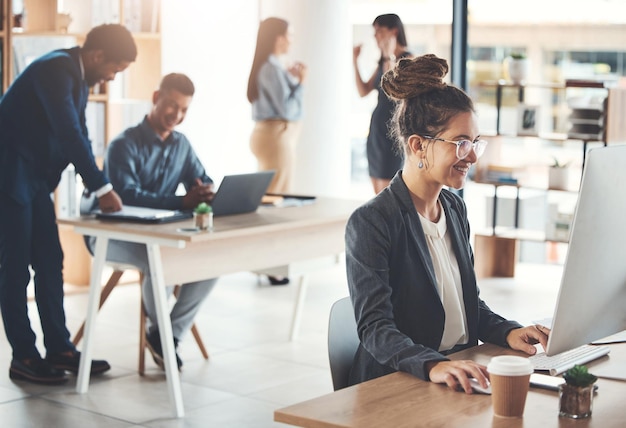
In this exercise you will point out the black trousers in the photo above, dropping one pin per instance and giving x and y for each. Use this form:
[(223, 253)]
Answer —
[(29, 237)]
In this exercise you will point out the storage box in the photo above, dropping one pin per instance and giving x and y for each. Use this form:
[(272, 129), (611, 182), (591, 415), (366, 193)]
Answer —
[(558, 224), (531, 216)]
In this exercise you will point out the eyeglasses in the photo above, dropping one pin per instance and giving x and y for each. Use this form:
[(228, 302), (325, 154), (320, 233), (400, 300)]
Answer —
[(463, 147)]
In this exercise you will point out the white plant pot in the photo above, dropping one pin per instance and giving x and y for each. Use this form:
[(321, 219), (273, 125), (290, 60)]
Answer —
[(558, 178), (517, 70)]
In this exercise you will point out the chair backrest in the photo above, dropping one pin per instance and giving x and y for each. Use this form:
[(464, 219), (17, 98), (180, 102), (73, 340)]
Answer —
[(343, 341)]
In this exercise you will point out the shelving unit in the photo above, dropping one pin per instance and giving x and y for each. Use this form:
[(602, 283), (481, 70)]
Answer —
[(112, 107), (5, 44), (514, 232), (497, 248)]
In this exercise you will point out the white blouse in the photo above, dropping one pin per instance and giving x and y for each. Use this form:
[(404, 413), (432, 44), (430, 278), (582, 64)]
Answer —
[(448, 279)]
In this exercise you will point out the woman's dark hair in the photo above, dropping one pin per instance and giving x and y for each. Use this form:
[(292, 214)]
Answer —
[(424, 102), (178, 82), (114, 40), (391, 21), (269, 30)]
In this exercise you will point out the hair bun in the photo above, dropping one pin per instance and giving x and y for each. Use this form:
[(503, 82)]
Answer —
[(414, 76)]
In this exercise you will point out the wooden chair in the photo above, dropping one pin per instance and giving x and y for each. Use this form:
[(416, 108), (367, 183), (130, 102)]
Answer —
[(118, 271)]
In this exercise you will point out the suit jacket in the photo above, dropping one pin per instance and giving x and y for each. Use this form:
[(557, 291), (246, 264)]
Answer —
[(392, 284), (43, 129)]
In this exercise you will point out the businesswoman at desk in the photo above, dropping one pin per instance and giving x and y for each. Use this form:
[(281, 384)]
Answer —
[(409, 260)]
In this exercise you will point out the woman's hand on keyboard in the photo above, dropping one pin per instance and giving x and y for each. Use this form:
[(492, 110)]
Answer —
[(524, 339)]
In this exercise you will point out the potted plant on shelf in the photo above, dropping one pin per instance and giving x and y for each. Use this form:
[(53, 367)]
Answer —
[(203, 216), (558, 175), (516, 67), (576, 394)]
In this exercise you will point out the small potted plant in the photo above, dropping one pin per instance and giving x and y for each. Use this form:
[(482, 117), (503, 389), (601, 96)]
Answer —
[(576, 394), (203, 216), (516, 67), (558, 175)]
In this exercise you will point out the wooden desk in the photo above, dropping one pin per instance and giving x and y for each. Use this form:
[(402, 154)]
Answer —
[(268, 238), (401, 400)]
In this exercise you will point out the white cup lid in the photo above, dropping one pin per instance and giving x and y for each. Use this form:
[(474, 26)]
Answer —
[(510, 365)]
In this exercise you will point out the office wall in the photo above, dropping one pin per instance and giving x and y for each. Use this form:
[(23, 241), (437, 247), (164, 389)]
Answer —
[(214, 44), (323, 41)]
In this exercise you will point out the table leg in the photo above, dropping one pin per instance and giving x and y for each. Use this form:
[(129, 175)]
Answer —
[(84, 368), (165, 329), (297, 309)]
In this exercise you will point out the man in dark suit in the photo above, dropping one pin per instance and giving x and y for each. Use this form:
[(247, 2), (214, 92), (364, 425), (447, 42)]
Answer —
[(42, 130)]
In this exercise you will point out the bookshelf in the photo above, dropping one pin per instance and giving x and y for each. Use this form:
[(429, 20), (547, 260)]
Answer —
[(30, 28), (590, 119), (5, 44)]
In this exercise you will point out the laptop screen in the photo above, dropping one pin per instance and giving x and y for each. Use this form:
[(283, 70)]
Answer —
[(241, 193)]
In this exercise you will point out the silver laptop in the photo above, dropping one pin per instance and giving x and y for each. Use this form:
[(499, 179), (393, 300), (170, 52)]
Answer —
[(237, 194), (241, 193)]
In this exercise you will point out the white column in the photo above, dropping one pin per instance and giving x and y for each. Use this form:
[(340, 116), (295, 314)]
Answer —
[(323, 41), (213, 42)]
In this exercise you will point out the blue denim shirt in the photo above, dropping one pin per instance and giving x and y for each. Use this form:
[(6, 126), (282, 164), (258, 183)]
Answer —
[(280, 94), (146, 171)]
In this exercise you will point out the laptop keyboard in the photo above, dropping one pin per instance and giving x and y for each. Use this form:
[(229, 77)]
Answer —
[(559, 363)]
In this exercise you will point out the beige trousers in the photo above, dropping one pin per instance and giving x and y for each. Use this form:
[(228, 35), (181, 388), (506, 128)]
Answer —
[(273, 142)]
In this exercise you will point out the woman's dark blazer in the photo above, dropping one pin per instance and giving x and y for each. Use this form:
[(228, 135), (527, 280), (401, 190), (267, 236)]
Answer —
[(393, 289)]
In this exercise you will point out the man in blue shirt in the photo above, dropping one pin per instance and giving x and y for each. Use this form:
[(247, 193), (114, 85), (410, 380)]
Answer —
[(146, 164), (42, 130)]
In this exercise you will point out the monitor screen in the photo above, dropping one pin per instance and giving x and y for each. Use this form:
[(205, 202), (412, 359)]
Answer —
[(592, 299)]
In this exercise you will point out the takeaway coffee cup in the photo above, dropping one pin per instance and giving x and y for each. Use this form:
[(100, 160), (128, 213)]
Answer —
[(510, 377)]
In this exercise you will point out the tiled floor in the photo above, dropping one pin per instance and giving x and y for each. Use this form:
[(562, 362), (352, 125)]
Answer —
[(253, 368)]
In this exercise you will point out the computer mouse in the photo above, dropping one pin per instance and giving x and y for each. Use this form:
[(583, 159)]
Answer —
[(477, 388)]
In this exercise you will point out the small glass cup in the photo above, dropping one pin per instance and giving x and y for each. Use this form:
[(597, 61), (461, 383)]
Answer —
[(203, 221), (575, 402)]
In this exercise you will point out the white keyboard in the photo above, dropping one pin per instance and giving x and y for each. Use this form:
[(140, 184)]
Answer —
[(564, 361)]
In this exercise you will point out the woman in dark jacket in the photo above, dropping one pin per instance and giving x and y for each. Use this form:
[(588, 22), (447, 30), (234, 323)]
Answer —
[(383, 159), (409, 259)]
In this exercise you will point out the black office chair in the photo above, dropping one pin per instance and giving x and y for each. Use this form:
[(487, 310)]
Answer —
[(343, 341)]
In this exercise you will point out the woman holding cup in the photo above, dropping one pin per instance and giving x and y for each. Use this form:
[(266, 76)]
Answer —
[(408, 256)]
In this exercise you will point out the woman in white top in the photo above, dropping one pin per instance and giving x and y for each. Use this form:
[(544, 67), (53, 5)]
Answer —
[(276, 96), (409, 261)]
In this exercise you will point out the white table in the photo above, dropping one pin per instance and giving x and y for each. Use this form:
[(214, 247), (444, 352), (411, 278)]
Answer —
[(292, 240)]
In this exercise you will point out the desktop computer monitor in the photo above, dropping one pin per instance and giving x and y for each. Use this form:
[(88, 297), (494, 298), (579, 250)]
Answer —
[(592, 299)]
